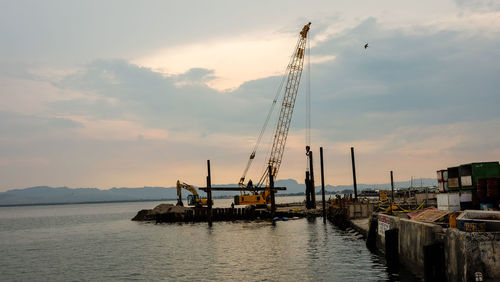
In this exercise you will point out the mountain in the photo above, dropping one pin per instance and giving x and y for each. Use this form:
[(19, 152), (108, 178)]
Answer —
[(60, 195), (49, 195)]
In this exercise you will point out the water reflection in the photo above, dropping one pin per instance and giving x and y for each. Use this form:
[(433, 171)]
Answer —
[(103, 244)]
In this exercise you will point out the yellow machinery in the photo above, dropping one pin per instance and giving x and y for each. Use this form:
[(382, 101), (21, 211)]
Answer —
[(293, 75), (257, 199), (193, 199), (382, 195)]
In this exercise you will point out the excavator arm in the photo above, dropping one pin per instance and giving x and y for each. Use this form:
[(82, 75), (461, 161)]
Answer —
[(186, 186), (194, 199)]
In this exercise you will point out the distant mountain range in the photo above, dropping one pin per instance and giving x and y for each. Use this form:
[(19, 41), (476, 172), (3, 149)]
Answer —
[(65, 195)]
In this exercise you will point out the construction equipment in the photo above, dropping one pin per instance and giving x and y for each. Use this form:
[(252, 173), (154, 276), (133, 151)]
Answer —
[(293, 75), (194, 199), (256, 199)]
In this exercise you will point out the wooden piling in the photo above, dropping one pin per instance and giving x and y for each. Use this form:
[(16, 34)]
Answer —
[(202, 214), (322, 184), (308, 191), (392, 191), (354, 175), (209, 195), (271, 190), (313, 189), (391, 248)]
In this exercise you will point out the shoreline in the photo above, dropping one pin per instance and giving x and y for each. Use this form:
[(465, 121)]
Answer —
[(118, 201)]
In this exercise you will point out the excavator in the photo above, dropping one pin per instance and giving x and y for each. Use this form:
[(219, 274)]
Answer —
[(293, 75), (194, 199)]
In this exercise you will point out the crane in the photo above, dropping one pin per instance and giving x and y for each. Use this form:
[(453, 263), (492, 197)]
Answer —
[(194, 199), (293, 75)]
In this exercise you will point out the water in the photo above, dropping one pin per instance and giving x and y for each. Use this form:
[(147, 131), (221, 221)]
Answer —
[(92, 242)]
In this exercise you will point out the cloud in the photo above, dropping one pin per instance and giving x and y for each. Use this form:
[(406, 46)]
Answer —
[(115, 130), (180, 102), (418, 99), (235, 60), (428, 78), (196, 76), (479, 5), (25, 126)]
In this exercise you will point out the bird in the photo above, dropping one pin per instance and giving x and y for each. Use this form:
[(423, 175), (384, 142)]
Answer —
[(366, 45)]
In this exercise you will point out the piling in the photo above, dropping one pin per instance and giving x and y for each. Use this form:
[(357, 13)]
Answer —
[(209, 195), (308, 191), (434, 262), (354, 174), (271, 190), (392, 191), (200, 214), (322, 184), (313, 190), (371, 240), (391, 248)]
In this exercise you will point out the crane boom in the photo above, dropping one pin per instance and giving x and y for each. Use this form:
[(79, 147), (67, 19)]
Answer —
[(291, 89)]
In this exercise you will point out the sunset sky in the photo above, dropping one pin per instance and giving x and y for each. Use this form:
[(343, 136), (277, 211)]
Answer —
[(141, 93)]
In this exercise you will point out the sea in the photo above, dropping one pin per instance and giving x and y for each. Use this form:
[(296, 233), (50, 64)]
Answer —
[(99, 242)]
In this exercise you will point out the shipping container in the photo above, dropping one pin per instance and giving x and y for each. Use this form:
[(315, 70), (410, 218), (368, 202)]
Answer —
[(470, 173), (454, 178), (493, 188), (465, 196), (439, 175), (448, 202), (443, 187), (442, 178), (481, 188), (442, 175)]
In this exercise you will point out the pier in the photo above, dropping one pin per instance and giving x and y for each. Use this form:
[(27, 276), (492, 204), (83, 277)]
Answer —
[(414, 229), (168, 213), (431, 250)]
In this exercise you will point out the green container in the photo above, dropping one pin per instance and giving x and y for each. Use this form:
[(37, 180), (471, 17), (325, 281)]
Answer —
[(470, 173), (454, 178)]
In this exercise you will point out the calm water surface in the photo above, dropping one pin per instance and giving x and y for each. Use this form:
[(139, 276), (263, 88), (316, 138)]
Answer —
[(100, 242)]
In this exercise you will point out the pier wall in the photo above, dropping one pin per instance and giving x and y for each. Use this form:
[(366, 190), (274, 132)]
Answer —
[(464, 252), (413, 236), (359, 210), (470, 252), (385, 222)]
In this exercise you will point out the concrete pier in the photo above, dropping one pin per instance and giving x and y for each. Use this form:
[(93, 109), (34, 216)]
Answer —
[(465, 253), (428, 250)]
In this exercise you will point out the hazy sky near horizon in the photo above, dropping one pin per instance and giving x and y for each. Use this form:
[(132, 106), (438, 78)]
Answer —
[(141, 93)]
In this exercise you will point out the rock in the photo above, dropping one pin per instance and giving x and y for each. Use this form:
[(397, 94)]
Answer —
[(150, 215), (168, 208), (144, 215)]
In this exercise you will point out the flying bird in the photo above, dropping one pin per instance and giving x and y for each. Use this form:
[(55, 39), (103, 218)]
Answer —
[(366, 45)]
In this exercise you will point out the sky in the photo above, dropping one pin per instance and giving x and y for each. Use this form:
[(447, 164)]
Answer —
[(142, 93)]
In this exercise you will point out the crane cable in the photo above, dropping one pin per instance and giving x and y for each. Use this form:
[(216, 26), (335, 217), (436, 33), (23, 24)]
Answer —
[(285, 75)]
